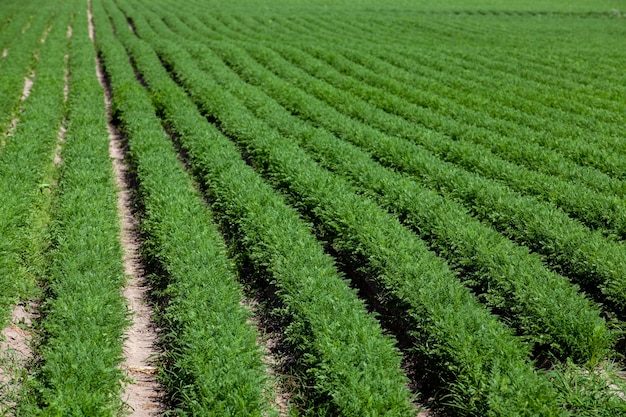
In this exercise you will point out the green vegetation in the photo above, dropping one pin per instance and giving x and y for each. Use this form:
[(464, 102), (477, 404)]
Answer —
[(21, 39), (507, 272), (328, 325), (586, 256), (425, 200), (26, 168), (212, 364), (361, 230), (84, 314), (595, 209)]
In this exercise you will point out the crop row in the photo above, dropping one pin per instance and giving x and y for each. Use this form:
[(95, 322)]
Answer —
[(584, 255), (443, 65), (564, 67), (21, 49), (212, 364), (84, 314), (260, 160), (356, 31), (532, 107), (516, 100), (549, 77), (512, 142), (7, 12), (578, 143), (517, 285), (351, 367), (359, 229), (169, 21), (592, 208), (505, 96), (26, 173), (493, 117), (14, 19)]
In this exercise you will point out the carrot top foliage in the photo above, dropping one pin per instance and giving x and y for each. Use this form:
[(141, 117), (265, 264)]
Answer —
[(426, 200)]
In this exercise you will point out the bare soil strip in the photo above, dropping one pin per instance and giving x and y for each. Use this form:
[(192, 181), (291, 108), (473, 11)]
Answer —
[(617, 384), (60, 139), (140, 346), (92, 36), (16, 334), (425, 413), (15, 354), (66, 87)]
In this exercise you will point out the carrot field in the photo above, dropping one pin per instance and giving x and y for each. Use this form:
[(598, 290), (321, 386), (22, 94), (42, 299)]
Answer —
[(298, 208)]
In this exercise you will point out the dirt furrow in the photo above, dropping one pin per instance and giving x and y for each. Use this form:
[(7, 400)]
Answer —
[(16, 354), (140, 347), (28, 85)]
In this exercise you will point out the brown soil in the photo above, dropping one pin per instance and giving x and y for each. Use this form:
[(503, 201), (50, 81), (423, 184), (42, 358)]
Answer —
[(142, 395), (281, 391), (15, 355), (616, 388), (91, 26), (28, 85), (16, 336), (60, 139), (66, 87), (425, 413)]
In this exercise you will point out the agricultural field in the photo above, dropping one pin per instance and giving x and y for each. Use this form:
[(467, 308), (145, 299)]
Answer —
[(298, 208)]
